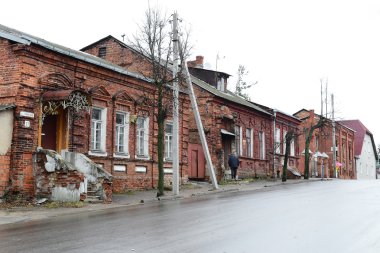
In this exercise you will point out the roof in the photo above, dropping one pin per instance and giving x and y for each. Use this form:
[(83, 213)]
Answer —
[(209, 70), (360, 132), (6, 107), (273, 110), (227, 95), (27, 39)]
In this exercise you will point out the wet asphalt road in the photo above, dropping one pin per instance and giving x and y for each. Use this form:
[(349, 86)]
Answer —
[(329, 216)]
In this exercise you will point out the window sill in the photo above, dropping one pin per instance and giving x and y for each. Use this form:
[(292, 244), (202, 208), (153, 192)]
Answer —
[(145, 158), (120, 155), (100, 153)]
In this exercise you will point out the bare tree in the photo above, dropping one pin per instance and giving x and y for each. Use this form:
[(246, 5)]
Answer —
[(241, 84), (289, 137), (154, 45), (308, 131)]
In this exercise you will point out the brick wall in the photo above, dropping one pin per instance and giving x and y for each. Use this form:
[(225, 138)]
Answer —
[(216, 114), (28, 71), (4, 173)]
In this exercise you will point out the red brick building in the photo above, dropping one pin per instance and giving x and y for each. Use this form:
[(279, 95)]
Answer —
[(232, 125), (321, 144), (83, 107)]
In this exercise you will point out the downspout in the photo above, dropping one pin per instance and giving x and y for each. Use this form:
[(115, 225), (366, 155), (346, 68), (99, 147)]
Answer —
[(113, 134)]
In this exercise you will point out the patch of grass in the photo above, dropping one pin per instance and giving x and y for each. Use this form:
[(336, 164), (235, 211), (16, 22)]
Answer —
[(59, 204)]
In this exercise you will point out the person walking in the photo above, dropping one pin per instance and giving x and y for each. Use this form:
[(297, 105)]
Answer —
[(233, 162)]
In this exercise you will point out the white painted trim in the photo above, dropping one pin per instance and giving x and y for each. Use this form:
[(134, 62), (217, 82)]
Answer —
[(120, 168), (125, 156), (141, 169), (100, 154)]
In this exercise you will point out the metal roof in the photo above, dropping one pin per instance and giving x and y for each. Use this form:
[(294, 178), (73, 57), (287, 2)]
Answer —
[(27, 39), (228, 95), (6, 107)]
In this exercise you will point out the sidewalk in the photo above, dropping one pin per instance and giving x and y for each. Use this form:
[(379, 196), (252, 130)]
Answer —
[(189, 190)]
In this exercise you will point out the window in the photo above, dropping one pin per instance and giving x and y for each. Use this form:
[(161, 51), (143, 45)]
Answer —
[(262, 145), (248, 137), (98, 130), (284, 142), (292, 148), (142, 136), (102, 52), (350, 151), (343, 152), (220, 84), (316, 143), (278, 142), (121, 133), (238, 142), (169, 141), (337, 148)]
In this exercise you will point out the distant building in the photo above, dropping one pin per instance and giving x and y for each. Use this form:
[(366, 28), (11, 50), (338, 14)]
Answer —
[(365, 150), (321, 148)]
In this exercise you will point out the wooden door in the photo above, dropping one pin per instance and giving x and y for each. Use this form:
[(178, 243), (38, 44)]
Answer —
[(197, 166), (49, 132)]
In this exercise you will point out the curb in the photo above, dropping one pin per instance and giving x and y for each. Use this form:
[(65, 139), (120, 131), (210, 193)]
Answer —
[(25, 215)]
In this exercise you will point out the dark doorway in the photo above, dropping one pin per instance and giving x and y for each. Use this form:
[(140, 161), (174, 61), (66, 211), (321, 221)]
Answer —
[(227, 148), (49, 132)]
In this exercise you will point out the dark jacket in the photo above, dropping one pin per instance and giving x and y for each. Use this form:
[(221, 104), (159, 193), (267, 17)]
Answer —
[(233, 161)]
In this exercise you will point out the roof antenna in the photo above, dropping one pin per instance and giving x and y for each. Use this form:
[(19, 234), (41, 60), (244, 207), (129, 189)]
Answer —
[(123, 35)]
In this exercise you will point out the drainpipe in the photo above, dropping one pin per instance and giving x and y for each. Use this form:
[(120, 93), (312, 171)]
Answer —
[(274, 142)]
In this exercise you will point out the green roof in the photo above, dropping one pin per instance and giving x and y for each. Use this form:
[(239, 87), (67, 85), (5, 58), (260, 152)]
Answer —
[(230, 96)]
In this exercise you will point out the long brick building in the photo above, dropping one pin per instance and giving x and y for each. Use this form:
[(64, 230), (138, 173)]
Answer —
[(63, 107)]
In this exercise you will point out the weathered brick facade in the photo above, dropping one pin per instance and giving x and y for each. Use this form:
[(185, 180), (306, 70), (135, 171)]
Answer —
[(227, 119), (322, 142), (119, 53), (30, 69)]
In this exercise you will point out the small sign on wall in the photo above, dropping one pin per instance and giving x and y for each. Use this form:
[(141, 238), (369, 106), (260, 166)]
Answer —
[(27, 124), (27, 114)]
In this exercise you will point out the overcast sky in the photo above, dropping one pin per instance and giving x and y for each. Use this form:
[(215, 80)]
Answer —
[(287, 46)]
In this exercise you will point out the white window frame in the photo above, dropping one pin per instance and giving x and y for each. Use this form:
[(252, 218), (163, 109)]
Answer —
[(237, 139), (284, 142), (262, 144), (241, 140), (278, 140), (220, 84), (144, 137), (168, 146), (125, 152), (103, 126), (292, 148), (249, 145)]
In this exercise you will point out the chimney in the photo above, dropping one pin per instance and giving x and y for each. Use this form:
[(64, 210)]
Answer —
[(198, 63)]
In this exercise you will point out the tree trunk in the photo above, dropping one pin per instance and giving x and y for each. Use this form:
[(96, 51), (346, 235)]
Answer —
[(160, 142), (288, 139), (307, 154)]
